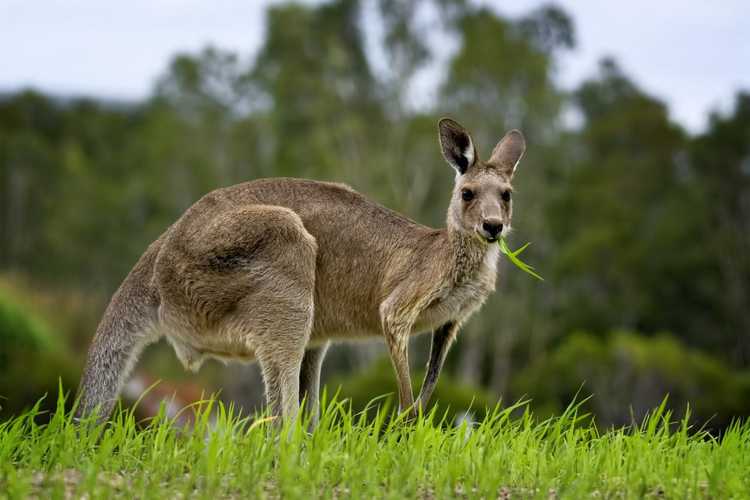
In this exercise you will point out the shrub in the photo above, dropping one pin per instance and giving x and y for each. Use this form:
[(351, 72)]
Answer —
[(32, 360), (629, 371)]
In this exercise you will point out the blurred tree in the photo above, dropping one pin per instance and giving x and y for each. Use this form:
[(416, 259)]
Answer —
[(208, 98), (720, 167), (321, 95), (405, 43), (627, 219), (57, 160), (30, 125), (550, 28)]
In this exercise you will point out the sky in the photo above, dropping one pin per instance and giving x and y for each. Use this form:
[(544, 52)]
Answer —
[(692, 54)]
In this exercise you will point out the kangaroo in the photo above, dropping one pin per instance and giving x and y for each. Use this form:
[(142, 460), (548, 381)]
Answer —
[(274, 270)]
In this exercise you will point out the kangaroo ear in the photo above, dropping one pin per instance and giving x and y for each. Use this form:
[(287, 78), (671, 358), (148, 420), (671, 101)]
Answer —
[(456, 144), (508, 151)]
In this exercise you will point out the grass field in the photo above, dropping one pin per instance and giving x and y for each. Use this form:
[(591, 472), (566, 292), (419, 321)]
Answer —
[(508, 454)]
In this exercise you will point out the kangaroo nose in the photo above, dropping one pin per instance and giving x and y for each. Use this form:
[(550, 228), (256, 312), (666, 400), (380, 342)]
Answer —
[(493, 228)]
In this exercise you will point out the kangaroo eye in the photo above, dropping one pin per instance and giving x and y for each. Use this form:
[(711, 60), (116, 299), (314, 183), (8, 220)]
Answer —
[(506, 196), (467, 195)]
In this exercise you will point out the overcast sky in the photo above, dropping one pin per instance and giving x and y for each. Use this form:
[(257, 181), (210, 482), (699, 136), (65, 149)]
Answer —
[(693, 54)]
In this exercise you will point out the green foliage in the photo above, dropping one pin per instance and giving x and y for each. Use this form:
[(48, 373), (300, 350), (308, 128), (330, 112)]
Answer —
[(627, 220), (225, 456), (513, 257), (719, 165), (31, 359), (625, 370)]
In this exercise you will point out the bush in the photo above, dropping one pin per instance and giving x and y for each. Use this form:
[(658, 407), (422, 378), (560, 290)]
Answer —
[(629, 371), (32, 360)]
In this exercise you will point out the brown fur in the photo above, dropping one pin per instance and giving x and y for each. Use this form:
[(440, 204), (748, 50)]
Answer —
[(274, 269)]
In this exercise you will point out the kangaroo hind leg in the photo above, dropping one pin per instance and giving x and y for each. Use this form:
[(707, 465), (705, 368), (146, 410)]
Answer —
[(275, 306), (309, 387)]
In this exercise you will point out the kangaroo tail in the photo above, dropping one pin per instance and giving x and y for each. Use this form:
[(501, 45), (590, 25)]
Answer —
[(125, 329)]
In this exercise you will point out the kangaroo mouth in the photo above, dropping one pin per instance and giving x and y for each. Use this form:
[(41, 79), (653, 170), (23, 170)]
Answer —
[(487, 237)]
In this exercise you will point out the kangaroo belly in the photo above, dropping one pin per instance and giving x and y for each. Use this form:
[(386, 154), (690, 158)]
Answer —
[(193, 345)]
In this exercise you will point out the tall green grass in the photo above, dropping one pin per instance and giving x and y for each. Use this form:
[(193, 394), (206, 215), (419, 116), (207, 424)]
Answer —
[(509, 452)]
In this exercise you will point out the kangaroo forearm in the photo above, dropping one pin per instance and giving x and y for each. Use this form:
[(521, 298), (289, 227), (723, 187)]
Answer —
[(397, 339), (442, 339)]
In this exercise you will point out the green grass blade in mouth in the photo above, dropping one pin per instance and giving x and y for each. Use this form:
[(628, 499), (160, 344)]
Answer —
[(513, 257)]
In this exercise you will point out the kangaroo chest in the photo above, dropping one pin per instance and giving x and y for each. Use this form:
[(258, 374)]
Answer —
[(458, 300)]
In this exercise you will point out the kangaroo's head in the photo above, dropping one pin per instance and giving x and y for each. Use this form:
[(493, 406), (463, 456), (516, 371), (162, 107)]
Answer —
[(482, 202)]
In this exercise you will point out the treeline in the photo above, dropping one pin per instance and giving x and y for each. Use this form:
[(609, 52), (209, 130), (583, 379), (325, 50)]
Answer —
[(636, 224)]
